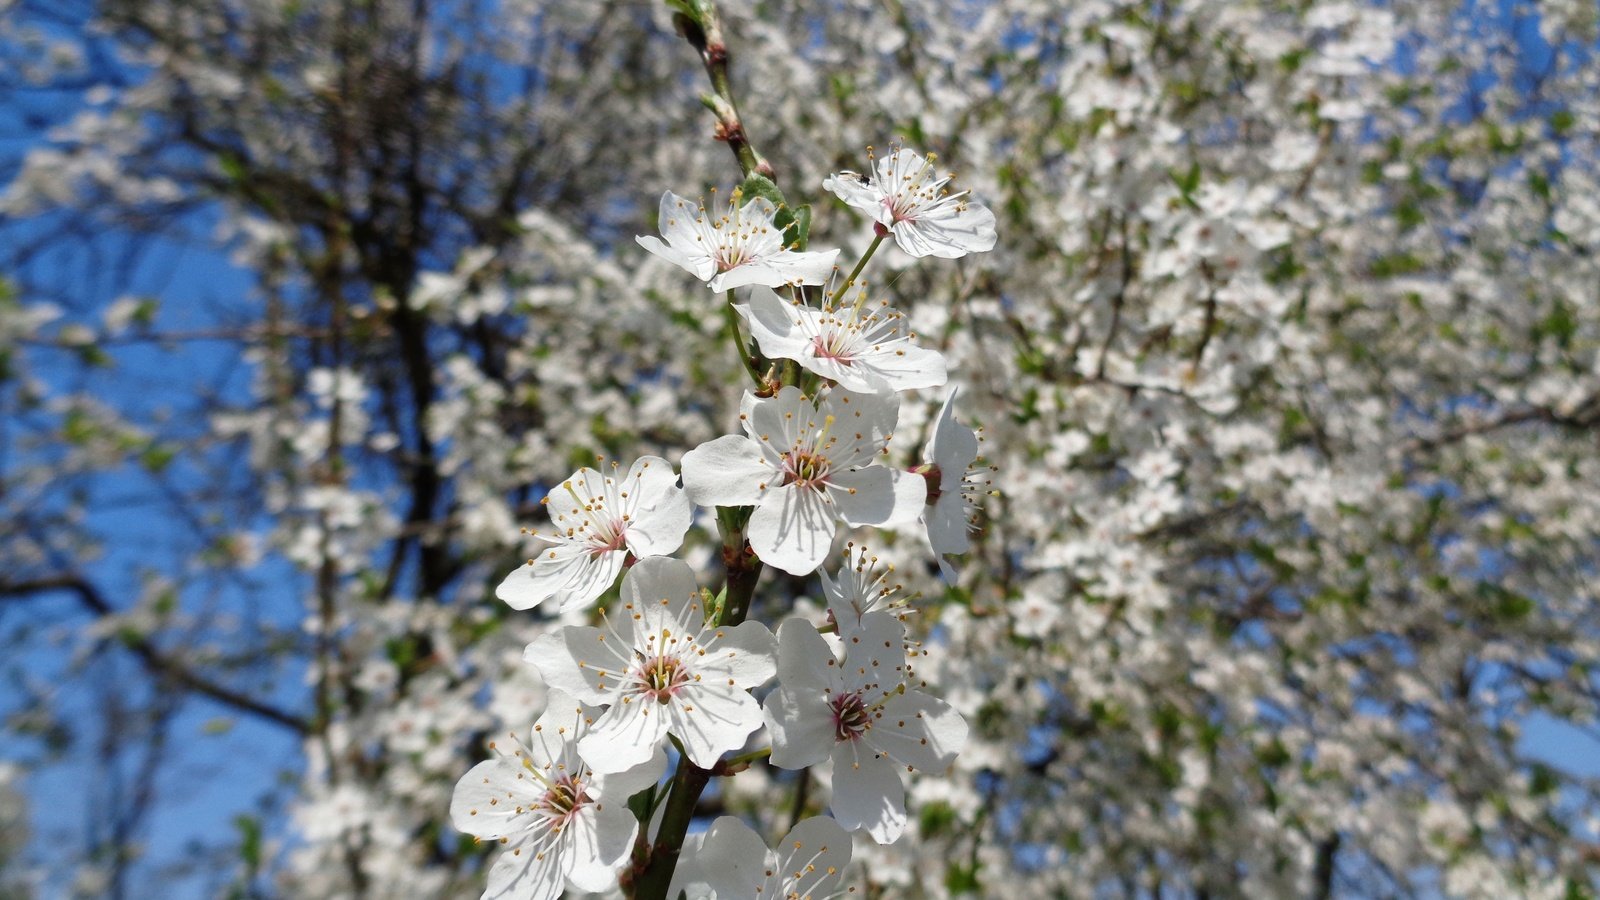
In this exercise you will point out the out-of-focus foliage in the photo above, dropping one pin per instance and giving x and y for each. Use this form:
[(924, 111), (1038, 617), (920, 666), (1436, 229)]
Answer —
[(1287, 356)]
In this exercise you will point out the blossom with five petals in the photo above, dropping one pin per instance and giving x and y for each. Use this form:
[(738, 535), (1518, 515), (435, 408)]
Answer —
[(953, 480), (599, 520), (560, 822), (908, 199), (865, 349), (809, 862), (662, 667), (733, 248), (805, 466), (861, 712)]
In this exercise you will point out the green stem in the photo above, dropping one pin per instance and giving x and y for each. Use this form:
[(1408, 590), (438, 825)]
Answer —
[(871, 249), (730, 317)]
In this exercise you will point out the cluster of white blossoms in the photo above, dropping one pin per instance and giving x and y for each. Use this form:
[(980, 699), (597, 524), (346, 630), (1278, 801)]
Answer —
[(671, 666)]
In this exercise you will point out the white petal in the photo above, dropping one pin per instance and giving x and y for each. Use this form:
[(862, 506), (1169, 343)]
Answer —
[(792, 529), (712, 720), (774, 323), (949, 236), (702, 267), (617, 787), (521, 874), (801, 723), (627, 735), (569, 572), (568, 502), (875, 655), (779, 421), (486, 799), (805, 661), (953, 446), (746, 653), (661, 592), (857, 190), (727, 471), (878, 496), (818, 849), (905, 368), (918, 730), (863, 496), (599, 839), (579, 660), (777, 269), (863, 422), (803, 267), (947, 525), (659, 511), (733, 860), (867, 792)]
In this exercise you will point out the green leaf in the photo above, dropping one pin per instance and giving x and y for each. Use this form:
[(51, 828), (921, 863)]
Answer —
[(796, 226), (249, 840), (643, 804), (762, 186)]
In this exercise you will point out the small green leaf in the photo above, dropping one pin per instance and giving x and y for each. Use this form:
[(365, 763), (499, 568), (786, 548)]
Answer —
[(249, 840)]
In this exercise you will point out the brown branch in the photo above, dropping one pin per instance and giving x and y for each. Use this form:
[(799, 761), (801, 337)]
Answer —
[(157, 662), (1587, 417)]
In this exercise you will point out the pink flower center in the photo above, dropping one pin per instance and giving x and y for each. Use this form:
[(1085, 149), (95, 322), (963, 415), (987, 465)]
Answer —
[(612, 536), (901, 208), (803, 468), (850, 717), (564, 798), (662, 677), (834, 349)]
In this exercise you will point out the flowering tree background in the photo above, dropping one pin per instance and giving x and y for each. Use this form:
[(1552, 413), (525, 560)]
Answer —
[(1286, 357)]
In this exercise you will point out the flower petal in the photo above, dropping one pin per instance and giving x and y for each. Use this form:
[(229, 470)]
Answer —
[(918, 730), (792, 529), (727, 471), (569, 572), (658, 511), (867, 792), (617, 787), (627, 735), (733, 860), (702, 267), (805, 661), (579, 660), (953, 446), (599, 839), (878, 496), (857, 190), (775, 324), (660, 592), (711, 720), (491, 800), (801, 723), (745, 654), (521, 873), (814, 853)]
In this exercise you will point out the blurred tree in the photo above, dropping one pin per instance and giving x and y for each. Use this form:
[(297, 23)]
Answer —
[(1287, 356)]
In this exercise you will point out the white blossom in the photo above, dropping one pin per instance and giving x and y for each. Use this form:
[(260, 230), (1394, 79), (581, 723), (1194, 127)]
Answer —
[(662, 667), (859, 587), (952, 482), (599, 521), (808, 862), (560, 822), (866, 348), (908, 199), (863, 714), (805, 465), (733, 248)]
